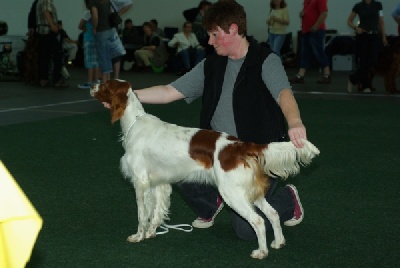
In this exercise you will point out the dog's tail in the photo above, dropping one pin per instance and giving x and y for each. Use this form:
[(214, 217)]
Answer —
[(282, 159)]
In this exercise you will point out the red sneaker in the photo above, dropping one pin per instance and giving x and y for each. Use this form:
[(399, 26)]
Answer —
[(298, 214), (206, 223)]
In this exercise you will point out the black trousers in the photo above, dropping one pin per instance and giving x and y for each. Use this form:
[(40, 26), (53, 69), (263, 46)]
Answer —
[(367, 50), (202, 198), (50, 48)]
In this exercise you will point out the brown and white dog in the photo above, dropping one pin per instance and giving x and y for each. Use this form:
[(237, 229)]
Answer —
[(158, 154)]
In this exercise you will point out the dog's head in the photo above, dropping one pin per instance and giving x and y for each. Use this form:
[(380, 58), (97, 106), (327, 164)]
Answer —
[(113, 93)]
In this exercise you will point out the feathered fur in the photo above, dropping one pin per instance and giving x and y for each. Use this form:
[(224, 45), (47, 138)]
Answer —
[(158, 154)]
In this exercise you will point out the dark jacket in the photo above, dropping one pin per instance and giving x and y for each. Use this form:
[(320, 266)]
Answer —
[(257, 116)]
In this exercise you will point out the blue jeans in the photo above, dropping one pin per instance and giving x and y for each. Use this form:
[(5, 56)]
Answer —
[(191, 56), (276, 42), (313, 43), (104, 58)]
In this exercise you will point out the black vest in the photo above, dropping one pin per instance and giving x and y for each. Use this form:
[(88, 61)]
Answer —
[(257, 116)]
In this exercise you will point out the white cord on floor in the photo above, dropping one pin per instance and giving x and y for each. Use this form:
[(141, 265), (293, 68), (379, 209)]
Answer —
[(180, 227)]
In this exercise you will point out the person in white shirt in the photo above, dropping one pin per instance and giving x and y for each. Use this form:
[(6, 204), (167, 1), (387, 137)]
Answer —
[(187, 47)]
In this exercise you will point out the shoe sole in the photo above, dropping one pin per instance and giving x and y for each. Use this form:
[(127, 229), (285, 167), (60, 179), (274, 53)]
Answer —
[(292, 222), (204, 225)]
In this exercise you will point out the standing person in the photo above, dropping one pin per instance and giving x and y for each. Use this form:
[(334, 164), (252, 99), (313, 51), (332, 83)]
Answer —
[(278, 21), (121, 6), (245, 93), (313, 30), (50, 46), (396, 17), (188, 47), (89, 48), (369, 33), (108, 44)]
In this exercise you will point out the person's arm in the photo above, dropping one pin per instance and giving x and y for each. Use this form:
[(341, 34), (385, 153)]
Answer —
[(350, 20), (174, 41), (81, 25), (159, 94), (95, 18), (49, 19), (154, 44), (396, 14), (383, 31), (290, 109), (319, 21), (124, 9)]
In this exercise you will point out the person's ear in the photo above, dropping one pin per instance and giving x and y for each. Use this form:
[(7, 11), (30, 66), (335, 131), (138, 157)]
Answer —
[(233, 29)]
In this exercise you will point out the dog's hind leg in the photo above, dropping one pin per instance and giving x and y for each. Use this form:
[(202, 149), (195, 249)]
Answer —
[(273, 218), (236, 199), (161, 195), (142, 187)]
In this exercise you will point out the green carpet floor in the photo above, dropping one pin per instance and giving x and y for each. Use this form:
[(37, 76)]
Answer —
[(69, 169)]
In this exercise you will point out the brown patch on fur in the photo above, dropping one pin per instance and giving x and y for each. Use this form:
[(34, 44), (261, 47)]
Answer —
[(202, 147), (232, 138), (114, 92), (237, 153), (241, 153), (262, 183)]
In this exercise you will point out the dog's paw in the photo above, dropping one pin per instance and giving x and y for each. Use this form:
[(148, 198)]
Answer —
[(259, 254), (278, 244), (135, 238), (151, 233)]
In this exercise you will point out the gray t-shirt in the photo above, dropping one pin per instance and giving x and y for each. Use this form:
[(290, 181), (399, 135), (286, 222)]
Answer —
[(191, 86)]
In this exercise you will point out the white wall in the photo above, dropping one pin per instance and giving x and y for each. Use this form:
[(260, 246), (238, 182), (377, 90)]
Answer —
[(169, 13)]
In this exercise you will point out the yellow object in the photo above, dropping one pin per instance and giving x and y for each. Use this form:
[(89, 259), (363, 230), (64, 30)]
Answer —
[(19, 223)]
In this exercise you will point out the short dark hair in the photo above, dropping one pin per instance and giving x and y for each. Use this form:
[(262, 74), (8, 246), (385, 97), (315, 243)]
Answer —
[(186, 23), (128, 20), (146, 23), (283, 4), (223, 14), (203, 4), (154, 21)]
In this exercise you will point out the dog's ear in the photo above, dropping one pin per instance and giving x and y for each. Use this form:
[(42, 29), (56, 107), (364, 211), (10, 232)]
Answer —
[(119, 98)]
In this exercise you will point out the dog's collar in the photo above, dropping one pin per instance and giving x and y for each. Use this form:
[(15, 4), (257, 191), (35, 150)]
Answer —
[(130, 127)]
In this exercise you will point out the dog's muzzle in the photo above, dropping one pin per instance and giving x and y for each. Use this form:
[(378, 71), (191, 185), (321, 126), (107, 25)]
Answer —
[(93, 89)]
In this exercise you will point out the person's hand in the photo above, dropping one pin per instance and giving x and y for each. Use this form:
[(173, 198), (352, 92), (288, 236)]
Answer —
[(314, 28), (106, 105), (359, 30), (384, 41), (301, 13), (297, 132), (54, 28)]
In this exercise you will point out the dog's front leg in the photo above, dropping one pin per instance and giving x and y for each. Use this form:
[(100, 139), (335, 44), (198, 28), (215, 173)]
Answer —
[(160, 206), (140, 189)]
